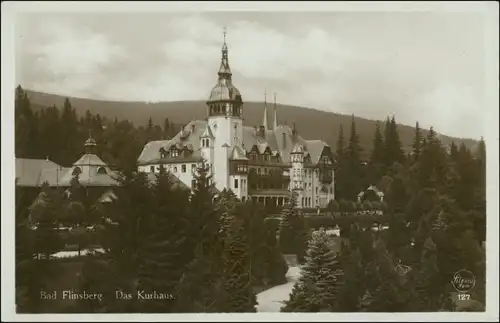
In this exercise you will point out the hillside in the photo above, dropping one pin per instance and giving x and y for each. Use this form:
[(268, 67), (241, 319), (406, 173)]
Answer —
[(311, 124)]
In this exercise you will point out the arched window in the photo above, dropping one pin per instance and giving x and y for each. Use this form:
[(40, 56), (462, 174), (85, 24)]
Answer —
[(101, 170)]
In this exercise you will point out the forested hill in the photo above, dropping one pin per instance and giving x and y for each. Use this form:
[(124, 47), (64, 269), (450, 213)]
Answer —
[(311, 124)]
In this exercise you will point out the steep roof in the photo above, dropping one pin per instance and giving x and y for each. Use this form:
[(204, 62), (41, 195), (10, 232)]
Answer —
[(34, 172), (238, 154), (280, 140), (89, 159), (90, 176)]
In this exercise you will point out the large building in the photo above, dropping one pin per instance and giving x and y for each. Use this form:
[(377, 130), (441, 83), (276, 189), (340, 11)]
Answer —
[(262, 163)]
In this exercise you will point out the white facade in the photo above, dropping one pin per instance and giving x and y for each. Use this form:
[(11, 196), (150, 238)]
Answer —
[(231, 149)]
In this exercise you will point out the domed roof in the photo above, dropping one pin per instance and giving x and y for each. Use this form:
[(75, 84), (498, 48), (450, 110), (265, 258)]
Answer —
[(224, 90)]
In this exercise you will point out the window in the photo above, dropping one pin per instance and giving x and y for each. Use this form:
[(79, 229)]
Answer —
[(193, 167), (316, 190), (175, 153), (152, 169), (183, 168), (193, 183), (235, 183), (175, 169)]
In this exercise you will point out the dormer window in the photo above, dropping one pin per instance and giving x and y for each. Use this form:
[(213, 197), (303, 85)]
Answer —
[(163, 153), (175, 152), (101, 170)]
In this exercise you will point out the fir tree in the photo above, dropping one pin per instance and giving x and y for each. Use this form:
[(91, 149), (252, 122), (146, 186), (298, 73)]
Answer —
[(125, 233), (164, 249), (354, 185), (286, 234), (417, 143), (376, 165), (394, 152), (316, 290), (340, 144), (273, 260), (377, 156), (341, 165), (45, 213), (199, 286), (236, 277)]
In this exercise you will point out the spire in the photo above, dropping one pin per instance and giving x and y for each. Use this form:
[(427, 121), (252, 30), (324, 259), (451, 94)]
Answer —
[(275, 118), (264, 121), (224, 70)]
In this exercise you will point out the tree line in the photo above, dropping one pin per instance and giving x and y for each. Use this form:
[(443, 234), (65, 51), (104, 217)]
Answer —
[(58, 133), (436, 206)]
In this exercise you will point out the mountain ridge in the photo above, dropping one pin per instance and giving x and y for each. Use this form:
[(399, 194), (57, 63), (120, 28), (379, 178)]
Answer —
[(311, 123)]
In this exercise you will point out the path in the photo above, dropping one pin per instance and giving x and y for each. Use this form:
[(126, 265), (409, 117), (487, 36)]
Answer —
[(271, 300)]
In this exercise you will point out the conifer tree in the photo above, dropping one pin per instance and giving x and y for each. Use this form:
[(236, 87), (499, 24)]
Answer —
[(273, 260), (377, 156), (394, 152), (316, 289), (227, 203), (354, 171), (286, 234), (126, 230), (237, 275), (164, 250), (417, 143), (341, 165), (199, 286), (45, 214)]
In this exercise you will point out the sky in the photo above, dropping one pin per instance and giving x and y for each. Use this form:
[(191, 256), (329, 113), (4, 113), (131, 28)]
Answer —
[(418, 66)]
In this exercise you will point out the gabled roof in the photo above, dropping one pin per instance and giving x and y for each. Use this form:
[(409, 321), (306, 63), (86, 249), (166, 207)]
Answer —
[(279, 140), (207, 133), (238, 154)]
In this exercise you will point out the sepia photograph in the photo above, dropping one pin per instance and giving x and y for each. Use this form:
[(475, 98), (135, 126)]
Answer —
[(205, 158)]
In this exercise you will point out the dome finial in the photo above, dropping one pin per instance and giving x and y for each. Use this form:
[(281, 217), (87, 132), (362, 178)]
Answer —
[(224, 32)]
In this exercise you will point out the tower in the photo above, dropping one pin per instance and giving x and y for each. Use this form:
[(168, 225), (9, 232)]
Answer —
[(297, 160), (224, 119)]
